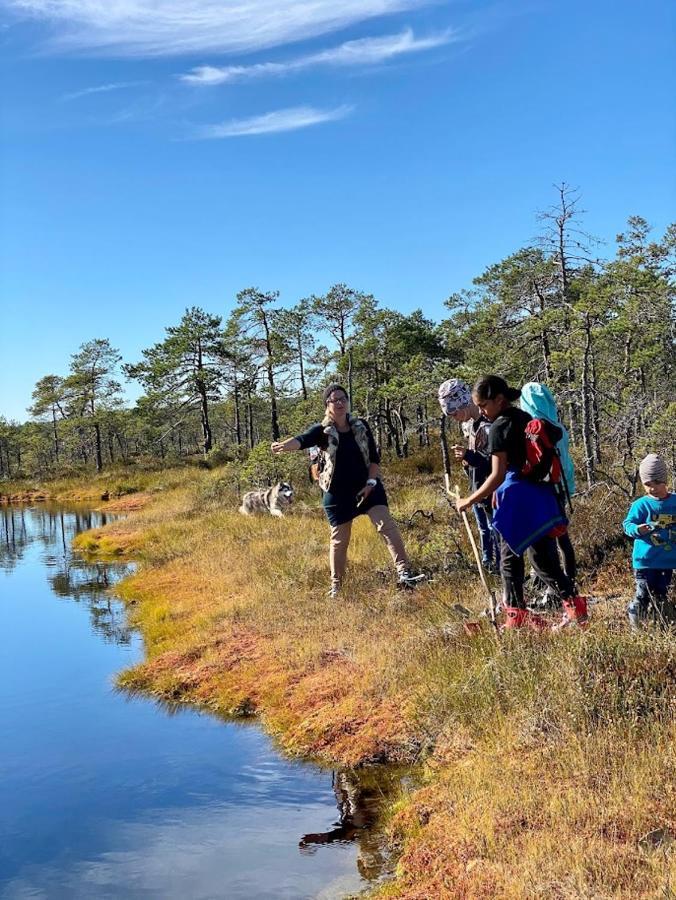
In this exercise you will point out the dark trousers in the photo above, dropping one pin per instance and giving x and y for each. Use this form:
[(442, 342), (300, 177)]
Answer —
[(544, 558), (650, 599), (568, 555)]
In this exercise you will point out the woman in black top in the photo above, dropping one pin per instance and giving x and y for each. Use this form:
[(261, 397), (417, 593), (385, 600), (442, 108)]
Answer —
[(525, 512), (349, 473)]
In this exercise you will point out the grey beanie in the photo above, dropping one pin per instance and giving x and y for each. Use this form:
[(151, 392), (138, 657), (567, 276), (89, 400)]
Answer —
[(653, 468)]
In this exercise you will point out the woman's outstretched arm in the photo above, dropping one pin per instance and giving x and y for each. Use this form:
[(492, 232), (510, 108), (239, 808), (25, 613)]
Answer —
[(285, 446)]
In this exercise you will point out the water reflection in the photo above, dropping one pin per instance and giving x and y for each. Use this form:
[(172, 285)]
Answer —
[(106, 794), (51, 529), (47, 525), (359, 799)]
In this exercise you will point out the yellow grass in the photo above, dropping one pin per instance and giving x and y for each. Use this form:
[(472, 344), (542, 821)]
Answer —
[(548, 759), (110, 486)]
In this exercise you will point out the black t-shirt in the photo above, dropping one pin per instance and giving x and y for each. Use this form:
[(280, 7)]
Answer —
[(349, 475), (350, 471), (507, 435)]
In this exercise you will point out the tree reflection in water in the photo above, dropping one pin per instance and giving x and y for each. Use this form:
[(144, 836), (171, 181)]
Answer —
[(50, 529)]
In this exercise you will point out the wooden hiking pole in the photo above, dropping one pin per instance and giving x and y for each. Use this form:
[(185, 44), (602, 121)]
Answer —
[(455, 493), (444, 454)]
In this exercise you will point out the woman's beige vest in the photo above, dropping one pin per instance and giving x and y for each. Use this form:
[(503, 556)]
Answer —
[(328, 456)]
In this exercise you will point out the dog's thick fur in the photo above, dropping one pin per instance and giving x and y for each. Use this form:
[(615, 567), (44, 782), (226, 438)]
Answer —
[(273, 500)]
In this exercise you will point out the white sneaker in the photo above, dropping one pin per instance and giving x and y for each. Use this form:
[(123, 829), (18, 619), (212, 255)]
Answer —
[(408, 579)]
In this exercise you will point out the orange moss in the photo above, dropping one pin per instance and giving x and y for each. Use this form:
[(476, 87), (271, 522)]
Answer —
[(28, 496), (130, 503), (517, 823), (318, 710)]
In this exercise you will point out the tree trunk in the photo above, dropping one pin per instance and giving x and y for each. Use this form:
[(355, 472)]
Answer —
[(544, 336), (97, 447), (627, 356), (402, 422), (83, 446), (238, 416), (546, 356), (274, 419), (120, 444), (56, 435), (204, 416), (350, 393), (587, 440), (392, 429), (249, 419), (341, 340), (596, 417), (301, 366), (204, 403)]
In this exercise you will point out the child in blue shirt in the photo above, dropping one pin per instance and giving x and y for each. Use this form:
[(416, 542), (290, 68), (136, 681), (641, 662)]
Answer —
[(651, 522)]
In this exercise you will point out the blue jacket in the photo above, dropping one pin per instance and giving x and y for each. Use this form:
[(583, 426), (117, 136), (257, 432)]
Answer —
[(524, 511), (538, 402), (657, 549)]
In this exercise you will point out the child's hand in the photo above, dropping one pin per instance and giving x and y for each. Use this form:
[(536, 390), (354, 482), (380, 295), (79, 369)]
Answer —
[(646, 528), (458, 451), (462, 504)]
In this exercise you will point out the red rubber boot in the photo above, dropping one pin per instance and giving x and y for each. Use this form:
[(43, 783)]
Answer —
[(515, 617), (575, 612)]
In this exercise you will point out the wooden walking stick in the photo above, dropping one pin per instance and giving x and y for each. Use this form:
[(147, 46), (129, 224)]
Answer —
[(455, 493)]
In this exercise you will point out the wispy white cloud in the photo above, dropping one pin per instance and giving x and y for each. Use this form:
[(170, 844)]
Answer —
[(143, 109), (173, 27), (102, 89), (290, 119), (363, 52)]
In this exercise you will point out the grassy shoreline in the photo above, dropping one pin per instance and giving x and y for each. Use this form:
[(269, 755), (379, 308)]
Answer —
[(548, 761)]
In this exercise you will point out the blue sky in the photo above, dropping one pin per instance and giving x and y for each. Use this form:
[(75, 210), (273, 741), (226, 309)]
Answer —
[(158, 155)]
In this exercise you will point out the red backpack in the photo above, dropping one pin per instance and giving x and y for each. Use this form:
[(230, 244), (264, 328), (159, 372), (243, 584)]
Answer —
[(542, 457)]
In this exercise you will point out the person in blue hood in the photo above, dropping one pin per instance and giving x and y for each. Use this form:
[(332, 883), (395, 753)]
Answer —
[(537, 400)]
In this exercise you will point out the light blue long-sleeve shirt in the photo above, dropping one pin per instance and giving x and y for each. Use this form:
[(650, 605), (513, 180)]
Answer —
[(657, 549)]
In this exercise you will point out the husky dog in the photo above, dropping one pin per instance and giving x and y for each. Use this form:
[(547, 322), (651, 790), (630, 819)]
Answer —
[(273, 500)]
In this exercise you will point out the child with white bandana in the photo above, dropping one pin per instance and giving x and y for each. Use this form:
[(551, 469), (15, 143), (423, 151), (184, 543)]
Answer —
[(651, 522), (455, 399)]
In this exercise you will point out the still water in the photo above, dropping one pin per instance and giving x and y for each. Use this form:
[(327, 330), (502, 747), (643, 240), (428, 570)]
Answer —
[(104, 795)]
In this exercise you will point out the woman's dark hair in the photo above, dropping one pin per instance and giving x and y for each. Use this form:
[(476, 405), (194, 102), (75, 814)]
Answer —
[(331, 388), (490, 386)]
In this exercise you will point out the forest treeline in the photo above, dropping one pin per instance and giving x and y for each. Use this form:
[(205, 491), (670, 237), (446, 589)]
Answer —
[(598, 330)]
